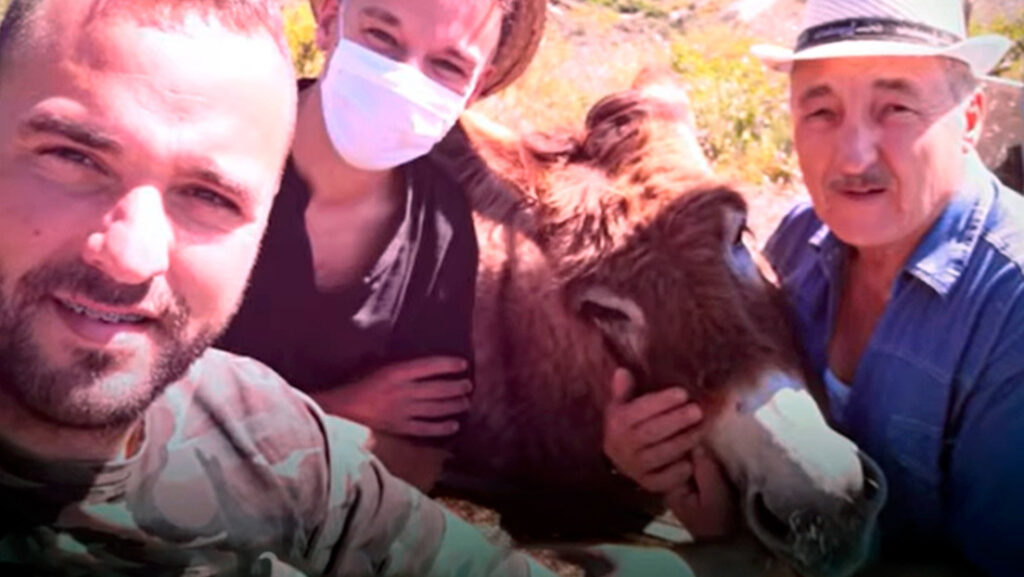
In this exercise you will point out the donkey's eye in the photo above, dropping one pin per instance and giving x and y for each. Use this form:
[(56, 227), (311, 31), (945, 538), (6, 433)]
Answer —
[(741, 232), (597, 312)]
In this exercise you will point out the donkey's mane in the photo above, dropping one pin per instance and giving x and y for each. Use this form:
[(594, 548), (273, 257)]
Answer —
[(636, 153)]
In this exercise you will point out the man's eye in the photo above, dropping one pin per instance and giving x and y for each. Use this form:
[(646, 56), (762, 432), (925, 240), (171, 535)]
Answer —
[(450, 68), (895, 108), (72, 156), (212, 198), (821, 114), (382, 37), (741, 235)]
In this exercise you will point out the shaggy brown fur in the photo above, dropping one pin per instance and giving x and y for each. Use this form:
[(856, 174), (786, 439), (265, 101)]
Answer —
[(628, 205)]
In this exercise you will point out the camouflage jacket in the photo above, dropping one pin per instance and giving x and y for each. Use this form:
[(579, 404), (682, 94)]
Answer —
[(238, 474)]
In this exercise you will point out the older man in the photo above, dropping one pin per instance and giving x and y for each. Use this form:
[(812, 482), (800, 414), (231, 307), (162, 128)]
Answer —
[(905, 275), (141, 144)]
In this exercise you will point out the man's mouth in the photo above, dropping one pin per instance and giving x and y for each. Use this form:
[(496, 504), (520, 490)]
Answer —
[(863, 191), (103, 316)]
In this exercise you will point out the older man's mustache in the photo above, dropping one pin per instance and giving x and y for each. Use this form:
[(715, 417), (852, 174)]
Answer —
[(872, 179)]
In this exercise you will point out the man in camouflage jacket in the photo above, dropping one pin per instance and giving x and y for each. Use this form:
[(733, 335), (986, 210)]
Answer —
[(141, 144)]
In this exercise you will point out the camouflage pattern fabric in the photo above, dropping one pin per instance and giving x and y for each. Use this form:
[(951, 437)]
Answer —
[(238, 474)]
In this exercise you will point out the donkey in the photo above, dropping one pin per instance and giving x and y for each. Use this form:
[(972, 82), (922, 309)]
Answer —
[(628, 252)]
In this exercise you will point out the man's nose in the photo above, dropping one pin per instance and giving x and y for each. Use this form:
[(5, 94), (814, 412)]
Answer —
[(134, 243), (858, 147)]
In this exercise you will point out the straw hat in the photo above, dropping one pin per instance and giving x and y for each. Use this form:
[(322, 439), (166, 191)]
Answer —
[(522, 30), (845, 28)]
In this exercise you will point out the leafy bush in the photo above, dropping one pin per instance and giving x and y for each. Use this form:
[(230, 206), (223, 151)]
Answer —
[(300, 30), (741, 108), (646, 7), (578, 63), (1012, 66)]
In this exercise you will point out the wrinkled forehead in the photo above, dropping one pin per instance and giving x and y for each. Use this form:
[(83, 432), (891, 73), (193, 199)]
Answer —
[(918, 76), (197, 90)]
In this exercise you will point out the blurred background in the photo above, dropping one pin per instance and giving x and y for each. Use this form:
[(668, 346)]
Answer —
[(594, 47)]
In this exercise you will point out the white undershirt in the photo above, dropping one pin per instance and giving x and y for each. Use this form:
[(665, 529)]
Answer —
[(838, 394)]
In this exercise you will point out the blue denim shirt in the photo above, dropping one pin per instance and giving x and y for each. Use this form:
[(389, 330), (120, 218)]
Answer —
[(938, 397)]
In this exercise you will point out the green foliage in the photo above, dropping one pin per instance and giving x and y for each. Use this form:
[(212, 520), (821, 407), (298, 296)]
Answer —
[(300, 30), (741, 108), (649, 8), (1012, 66)]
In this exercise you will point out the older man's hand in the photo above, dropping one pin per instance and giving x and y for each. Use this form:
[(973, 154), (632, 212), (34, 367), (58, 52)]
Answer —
[(708, 505), (649, 438)]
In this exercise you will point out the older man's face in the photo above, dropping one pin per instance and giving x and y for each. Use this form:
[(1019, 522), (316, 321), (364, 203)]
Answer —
[(137, 170), (882, 144)]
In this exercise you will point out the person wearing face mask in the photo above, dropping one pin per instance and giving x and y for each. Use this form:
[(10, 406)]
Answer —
[(363, 292)]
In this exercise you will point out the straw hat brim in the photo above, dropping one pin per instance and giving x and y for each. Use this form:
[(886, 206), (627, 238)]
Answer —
[(981, 53), (525, 30)]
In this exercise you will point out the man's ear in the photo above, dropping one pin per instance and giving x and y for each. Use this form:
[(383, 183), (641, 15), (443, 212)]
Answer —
[(314, 7), (974, 118), (328, 23)]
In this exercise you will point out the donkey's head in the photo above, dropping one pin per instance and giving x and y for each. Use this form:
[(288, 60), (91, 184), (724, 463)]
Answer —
[(653, 251)]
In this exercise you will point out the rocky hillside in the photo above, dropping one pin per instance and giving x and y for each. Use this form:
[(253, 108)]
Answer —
[(594, 47)]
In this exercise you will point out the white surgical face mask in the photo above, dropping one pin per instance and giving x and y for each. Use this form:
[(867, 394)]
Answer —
[(381, 113)]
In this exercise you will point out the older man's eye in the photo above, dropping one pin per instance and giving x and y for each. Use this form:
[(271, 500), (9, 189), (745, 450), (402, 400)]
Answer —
[(820, 114), (211, 198), (897, 109)]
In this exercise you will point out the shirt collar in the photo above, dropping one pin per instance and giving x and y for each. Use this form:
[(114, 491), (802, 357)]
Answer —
[(831, 252), (942, 255), (91, 480)]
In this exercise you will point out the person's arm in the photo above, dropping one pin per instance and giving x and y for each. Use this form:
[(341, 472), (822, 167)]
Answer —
[(986, 469), (377, 525)]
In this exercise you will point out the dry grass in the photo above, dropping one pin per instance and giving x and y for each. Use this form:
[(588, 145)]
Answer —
[(558, 88)]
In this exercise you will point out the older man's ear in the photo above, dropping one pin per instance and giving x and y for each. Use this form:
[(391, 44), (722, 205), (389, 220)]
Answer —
[(974, 112)]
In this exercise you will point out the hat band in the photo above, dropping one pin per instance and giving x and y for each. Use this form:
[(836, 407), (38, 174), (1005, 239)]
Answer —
[(875, 29)]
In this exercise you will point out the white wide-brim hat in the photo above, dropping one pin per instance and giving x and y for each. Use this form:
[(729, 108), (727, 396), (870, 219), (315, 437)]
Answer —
[(851, 28)]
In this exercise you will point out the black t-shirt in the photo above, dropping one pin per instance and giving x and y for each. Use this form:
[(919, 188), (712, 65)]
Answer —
[(416, 301)]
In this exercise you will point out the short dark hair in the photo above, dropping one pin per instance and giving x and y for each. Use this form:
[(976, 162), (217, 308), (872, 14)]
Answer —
[(245, 16), (14, 24)]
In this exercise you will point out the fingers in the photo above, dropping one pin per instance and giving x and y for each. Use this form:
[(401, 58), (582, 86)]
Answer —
[(440, 389), (708, 507), (647, 406), (438, 409), (663, 454), (419, 428), (668, 425), (710, 478), (649, 438), (622, 387), (422, 368), (678, 474)]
